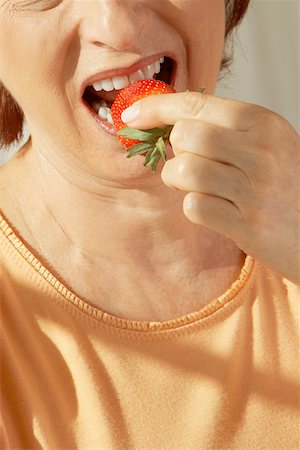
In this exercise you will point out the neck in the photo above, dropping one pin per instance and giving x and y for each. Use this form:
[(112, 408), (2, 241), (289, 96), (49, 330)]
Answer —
[(139, 232), (122, 223)]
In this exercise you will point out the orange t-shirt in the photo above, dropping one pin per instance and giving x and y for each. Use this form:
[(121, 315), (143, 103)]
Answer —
[(75, 377)]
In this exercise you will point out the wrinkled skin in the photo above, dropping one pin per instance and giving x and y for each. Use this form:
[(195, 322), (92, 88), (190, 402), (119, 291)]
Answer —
[(106, 213), (240, 166), (59, 44)]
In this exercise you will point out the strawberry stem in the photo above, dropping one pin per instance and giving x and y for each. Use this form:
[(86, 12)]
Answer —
[(152, 142)]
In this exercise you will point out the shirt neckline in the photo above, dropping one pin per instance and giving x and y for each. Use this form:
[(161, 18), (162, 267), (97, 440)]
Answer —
[(12, 239)]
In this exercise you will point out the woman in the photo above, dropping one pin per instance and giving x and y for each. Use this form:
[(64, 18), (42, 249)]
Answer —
[(135, 316)]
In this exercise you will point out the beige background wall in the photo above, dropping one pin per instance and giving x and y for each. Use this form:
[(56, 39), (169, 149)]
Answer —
[(266, 61), (267, 56)]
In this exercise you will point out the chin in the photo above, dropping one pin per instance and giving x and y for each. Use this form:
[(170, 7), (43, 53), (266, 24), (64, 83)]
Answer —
[(109, 162)]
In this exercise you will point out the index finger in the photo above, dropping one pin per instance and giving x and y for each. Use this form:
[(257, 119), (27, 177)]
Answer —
[(165, 109)]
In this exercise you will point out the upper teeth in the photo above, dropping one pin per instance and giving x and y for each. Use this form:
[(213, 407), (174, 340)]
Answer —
[(121, 82)]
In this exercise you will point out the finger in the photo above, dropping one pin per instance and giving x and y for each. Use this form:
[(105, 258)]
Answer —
[(165, 109), (215, 142), (215, 213), (189, 172)]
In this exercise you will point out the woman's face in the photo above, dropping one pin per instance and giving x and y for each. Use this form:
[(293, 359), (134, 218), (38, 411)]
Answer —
[(50, 48)]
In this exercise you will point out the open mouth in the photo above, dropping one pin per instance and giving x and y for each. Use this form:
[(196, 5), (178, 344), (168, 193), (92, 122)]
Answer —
[(100, 96)]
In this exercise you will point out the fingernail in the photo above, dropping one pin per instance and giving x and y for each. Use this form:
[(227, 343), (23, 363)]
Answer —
[(131, 113)]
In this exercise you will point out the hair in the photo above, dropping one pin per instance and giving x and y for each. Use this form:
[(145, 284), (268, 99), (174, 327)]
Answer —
[(12, 116)]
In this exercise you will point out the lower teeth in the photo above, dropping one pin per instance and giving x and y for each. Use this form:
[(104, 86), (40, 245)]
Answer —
[(105, 114), (109, 118), (104, 111)]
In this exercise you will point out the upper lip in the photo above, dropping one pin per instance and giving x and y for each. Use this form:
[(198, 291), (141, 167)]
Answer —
[(124, 71)]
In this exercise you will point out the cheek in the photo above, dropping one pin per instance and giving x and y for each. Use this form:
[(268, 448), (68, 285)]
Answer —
[(207, 20), (30, 69), (7, 48), (19, 61), (36, 84), (28, 55), (206, 42)]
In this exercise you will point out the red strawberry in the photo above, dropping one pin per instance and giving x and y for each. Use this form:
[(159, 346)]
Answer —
[(141, 142)]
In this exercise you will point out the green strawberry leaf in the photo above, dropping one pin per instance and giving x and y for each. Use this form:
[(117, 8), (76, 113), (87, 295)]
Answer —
[(201, 90), (152, 158), (154, 161), (142, 135), (135, 134), (138, 149), (161, 147), (149, 156)]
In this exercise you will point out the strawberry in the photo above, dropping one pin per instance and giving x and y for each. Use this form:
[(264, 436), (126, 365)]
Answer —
[(149, 143), (141, 142)]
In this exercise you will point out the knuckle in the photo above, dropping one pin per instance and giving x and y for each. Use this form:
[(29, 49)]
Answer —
[(270, 122), (183, 167), (192, 104), (194, 209), (178, 132), (269, 127), (185, 172), (166, 173)]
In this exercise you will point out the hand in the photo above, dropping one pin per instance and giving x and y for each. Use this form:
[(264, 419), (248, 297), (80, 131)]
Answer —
[(240, 166)]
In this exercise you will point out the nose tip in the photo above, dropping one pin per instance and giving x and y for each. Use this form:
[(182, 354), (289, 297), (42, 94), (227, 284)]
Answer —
[(115, 24)]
